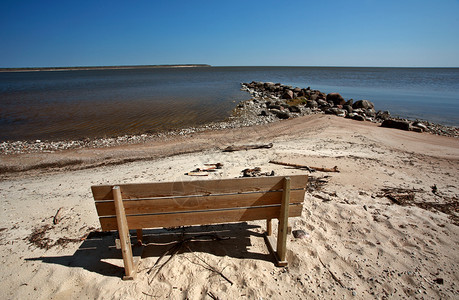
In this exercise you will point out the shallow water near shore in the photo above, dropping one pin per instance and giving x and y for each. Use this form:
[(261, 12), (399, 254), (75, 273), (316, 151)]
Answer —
[(57, 105)]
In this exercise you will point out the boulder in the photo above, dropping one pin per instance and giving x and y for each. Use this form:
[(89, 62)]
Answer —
[(301, 93), (281, 114), (323, 103), (284, 105), (274, 106), (294, 109), (336, 98), (416, 129), (365, 104), (288, 94), (420, 126), (336, 111), (403, 125), (370, 112), (358, 117), (312, 104), (348, 108), (271, 88), (383, 115)]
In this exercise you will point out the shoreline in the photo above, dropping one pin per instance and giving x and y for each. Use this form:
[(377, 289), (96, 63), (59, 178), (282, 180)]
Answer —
[(247, 113), (120, 151)]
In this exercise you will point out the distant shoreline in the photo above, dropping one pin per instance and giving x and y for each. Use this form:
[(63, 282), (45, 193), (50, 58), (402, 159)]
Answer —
[(100, 68)]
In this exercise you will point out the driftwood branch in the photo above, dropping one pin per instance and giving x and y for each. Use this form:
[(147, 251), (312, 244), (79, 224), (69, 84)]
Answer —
[(247, 147), (57, 216), (309, 168), (203, 171)]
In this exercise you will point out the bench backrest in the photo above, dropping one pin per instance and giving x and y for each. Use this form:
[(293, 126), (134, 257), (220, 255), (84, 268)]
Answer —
[(168, 204)]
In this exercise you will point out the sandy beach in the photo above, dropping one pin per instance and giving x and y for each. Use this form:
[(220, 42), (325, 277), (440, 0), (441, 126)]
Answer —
[(385, 227)]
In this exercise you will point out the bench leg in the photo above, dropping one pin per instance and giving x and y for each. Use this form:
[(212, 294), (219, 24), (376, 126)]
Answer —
[(281, 243), (123, 230), (139, 236), (283, 222)]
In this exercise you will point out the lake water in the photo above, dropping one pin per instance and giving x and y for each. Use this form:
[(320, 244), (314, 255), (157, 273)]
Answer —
[(54, 105)]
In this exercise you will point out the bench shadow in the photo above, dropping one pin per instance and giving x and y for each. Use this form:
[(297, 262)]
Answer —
[(98, 253)]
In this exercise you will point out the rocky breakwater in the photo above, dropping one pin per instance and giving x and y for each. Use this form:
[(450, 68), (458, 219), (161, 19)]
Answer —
[(277, 101)]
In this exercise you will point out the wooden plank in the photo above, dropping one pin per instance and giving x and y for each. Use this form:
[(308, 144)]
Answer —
[(200, 218), (161, 205), (283, 221), (198, 187), (123, 229)]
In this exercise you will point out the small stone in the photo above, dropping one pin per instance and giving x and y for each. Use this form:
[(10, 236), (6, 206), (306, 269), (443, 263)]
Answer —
[(300, 234), (438, 280)]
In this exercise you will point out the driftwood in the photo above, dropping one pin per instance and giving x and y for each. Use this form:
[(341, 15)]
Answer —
[(202, 172), (255, 172), (310, 169), (247, 147), (57, 216), (197, 173)]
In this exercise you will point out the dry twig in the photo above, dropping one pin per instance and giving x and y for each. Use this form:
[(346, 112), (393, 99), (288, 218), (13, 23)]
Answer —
[(331, 273), (57, 216), (177, 247), (209, 267)]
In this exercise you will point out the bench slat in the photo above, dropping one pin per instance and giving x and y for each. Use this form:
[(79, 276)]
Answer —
[(198, 187), (200, 218), (170, 204)]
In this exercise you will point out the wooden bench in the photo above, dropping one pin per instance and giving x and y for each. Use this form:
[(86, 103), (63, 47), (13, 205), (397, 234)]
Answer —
[(167, 204)]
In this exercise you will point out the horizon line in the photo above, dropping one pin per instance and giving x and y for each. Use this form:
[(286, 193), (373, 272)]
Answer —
[(88, 67)]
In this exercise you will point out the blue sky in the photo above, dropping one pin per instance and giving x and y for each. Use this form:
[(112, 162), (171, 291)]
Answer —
[(230, 33)]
